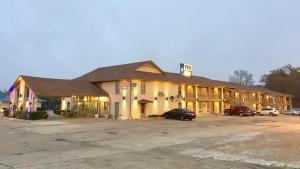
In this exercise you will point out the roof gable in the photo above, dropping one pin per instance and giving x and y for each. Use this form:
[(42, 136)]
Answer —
[(150, 68)]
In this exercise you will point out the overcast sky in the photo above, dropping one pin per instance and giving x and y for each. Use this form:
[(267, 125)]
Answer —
[(67, 38)]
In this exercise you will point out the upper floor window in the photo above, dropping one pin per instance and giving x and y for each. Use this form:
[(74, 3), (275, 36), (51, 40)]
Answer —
[(117, 89), (143, 87)]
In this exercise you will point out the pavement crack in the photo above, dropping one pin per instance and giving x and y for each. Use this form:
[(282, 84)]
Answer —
[(6, 165)]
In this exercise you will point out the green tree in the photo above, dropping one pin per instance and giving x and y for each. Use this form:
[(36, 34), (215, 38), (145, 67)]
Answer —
[(286, 80)]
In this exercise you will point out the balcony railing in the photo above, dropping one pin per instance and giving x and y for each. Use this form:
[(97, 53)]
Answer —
[(204, 97), (216, 97), (190, 95), (267, 102)]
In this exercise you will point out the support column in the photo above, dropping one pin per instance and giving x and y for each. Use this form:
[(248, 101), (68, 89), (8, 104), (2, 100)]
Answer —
[(210, 101), (259, 102), (196, 102)]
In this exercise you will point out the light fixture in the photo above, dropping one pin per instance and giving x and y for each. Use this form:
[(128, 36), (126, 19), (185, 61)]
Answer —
[(183, 98), (124, 98), (155, 98), (167, 98), (135, 98)]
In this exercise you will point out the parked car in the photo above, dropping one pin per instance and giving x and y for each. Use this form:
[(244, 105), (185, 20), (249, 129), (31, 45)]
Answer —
[(181, 114), (268, 111), (293, 111), (239, 111)]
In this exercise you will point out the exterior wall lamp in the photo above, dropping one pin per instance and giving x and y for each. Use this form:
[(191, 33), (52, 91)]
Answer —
[(135, 98), (124, 98), (167, 98), (155, 98)]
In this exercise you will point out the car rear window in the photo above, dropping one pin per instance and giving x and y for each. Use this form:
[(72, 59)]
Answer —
[(186, 110)]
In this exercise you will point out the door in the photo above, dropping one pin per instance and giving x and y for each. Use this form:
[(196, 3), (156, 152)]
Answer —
[(143, 110)]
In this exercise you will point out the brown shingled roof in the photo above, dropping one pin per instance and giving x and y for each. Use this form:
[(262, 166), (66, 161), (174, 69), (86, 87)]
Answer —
[(128, 72), (61, 87)]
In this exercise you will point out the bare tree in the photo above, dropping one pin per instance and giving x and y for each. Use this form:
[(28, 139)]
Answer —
[(242, 77)]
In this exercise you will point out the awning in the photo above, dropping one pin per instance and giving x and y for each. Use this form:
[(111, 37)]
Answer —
[(143, 101)]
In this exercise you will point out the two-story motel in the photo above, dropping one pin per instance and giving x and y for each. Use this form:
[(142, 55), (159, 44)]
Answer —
[(138, 90)]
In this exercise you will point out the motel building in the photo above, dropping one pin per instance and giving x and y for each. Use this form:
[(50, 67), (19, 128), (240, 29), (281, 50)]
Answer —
[(139, 90)]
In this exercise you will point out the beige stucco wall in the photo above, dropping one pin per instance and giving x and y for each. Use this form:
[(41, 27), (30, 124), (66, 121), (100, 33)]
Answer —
[(158, 106)]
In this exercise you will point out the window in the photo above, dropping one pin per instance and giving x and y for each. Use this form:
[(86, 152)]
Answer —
[(179, 105), (117, 89), (143, 87)]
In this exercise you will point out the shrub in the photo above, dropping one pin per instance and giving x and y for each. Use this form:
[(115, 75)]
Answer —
[(155, 115), (6, 112), (18, 114), (38, 115), (57, 111)]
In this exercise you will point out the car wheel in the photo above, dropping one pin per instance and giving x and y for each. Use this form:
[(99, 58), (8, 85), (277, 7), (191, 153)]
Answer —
[(258, 113), (241, 114), (190, 119), (271, 114), (182, 118)]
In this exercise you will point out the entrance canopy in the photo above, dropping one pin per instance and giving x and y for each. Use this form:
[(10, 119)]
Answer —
[(144, 101)]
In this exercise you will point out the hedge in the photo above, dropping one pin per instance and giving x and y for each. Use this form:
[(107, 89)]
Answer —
[(151, 116), (6, 112), (38, 115)]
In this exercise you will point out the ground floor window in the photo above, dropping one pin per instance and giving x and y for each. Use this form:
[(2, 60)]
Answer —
[(180, 105)]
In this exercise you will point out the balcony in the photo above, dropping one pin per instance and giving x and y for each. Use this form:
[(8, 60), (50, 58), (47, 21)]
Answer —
[(216, 97), (190, 95), (267, 102), (254, 100), (203, 97)]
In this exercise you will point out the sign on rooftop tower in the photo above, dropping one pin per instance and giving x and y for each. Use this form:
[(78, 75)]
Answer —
[(186, 70)]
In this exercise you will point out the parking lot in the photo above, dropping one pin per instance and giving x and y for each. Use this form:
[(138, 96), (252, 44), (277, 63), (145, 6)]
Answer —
[(208, 142)]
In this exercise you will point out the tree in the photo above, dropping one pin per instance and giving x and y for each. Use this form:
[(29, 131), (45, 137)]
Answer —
[(286, 80), (242, 77)]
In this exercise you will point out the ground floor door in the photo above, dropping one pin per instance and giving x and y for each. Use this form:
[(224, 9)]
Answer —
[(143, 110), (191, 105), (217, 107), (203, 108)]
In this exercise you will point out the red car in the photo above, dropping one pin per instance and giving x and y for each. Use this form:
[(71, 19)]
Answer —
[(239, 111)]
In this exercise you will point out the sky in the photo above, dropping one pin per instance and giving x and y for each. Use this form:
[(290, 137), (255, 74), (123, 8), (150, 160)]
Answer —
[(68, 38)]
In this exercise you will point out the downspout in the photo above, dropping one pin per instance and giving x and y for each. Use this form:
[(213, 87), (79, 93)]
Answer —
[(130, 90)]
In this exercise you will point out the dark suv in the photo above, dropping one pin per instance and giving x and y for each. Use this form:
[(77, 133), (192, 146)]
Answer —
[(181, 114), (239, 111)]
